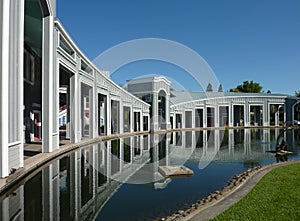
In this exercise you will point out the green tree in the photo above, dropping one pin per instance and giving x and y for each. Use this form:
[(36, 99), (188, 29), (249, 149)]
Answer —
[(297, 93), (248, 87)]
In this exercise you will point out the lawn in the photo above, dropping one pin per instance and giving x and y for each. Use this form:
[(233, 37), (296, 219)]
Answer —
[(275, 197)]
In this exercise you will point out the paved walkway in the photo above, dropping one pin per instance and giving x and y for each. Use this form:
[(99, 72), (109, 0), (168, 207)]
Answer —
[(223, 204)]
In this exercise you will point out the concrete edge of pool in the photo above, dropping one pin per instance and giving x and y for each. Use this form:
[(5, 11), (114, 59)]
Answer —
[(217, 202), (38, 161)]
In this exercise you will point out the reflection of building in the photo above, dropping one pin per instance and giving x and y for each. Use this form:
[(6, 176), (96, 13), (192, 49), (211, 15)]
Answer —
[(48, 84), (78, 186)]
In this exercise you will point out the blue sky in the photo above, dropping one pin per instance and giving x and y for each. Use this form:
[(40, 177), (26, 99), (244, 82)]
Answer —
[(240, 40)]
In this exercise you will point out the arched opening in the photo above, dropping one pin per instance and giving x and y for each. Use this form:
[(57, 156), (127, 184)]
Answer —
[(297, 114), (33, 50), (162, 109)]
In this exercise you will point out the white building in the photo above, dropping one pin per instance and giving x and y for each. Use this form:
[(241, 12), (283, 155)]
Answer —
[(45, 80)]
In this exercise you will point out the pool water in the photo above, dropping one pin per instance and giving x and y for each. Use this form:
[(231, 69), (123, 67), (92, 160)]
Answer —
[(119, 180)]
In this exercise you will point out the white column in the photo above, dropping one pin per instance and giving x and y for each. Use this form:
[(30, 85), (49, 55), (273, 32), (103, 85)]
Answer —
[(108, 115), (276, 115), (247, 114), (205, 116), (183, 119), (231, 115), (154, 120), (141, 120), (121, 117), (16, 75), (92, 115), (149, 122), (131, 126), (47, 84), (216, 117), (193, 118), (168, 124), (4, 76), (265, 111), (74, 109), (55, 107)]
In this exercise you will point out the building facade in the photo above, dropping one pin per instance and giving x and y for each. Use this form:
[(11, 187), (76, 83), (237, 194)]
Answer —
[(51, 91), (48, 84)]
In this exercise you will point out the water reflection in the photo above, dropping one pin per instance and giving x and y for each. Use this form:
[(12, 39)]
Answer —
[(77, 187)]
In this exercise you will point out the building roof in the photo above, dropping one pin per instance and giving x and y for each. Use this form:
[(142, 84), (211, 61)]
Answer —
[(178, 97), (148, 80)]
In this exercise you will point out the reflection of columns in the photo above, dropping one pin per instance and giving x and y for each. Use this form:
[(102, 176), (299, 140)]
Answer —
[(205, 143), (266, 140), (121, 154), (168, 138), (193, 140), (109, 158), (5, 210), (93, 171), (74, 185), (217, 140), (276, 133), (131, 149), (247, 142), (51, 192), (289, 137), (155, 154), (231, 142)]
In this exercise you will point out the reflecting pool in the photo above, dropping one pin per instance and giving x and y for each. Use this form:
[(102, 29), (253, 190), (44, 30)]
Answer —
[(119, 179)]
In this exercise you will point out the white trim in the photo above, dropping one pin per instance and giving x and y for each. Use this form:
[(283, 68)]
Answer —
[(79, 53)]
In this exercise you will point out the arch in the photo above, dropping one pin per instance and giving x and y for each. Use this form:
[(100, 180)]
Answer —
[(162, 109), (46, 8)]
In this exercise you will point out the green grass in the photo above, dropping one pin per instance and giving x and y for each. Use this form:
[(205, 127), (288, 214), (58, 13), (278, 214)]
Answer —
[(275, 197)]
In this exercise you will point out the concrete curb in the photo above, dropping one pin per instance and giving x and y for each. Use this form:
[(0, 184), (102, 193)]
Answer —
[(38, 161)]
